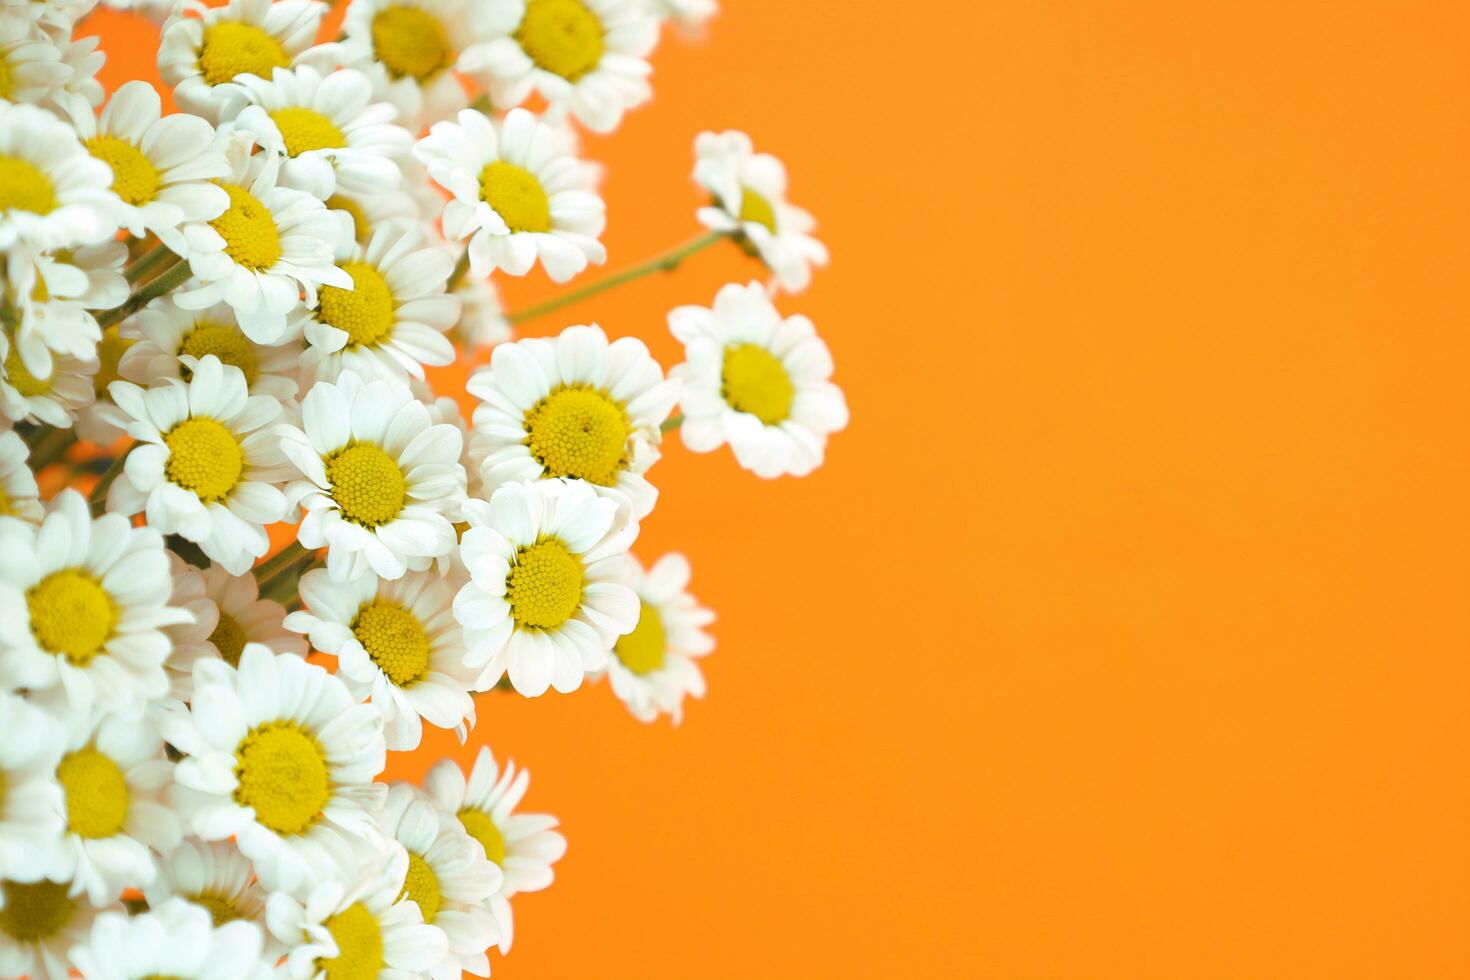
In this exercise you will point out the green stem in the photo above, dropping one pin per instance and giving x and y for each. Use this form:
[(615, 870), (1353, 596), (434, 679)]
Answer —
[(175, 276), (48, 444), (278, 561), (283, 585), (671, 423), (667, 262), (460, 268), (147, 263), (98, 497)]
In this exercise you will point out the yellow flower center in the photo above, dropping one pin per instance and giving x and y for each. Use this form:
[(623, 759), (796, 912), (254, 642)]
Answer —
[(516, 195), (477, 824), (24, 186), (422, 886), (36, 911), (225, 342), (754, 207), (228, 638), (562, 37), (394, 639), (7, 80), (361, 229), (305, 130), (249, 230), (544, 586), (642, 651), (19, 378), (367, 484), (411, 42), (365, 312), (5, 509), (754, 380), (109, 352), (71, 615), (205, 457), (96, 793), (221, 909), (282, 776), (581, 433), (359, 941), (232, 48), (134, 178)]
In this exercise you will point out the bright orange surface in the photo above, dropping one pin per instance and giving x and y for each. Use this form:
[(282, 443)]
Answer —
[(1125, 632)]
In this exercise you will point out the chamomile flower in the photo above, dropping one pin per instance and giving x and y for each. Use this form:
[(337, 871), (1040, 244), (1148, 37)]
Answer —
[(54, 400), (31, 69), (82, 605), (177, 940), (53, 193), (19, 496), (483, 322), (215, 876), (279, 757), (207, 463), (756, 381), (515, 196), (749, 191), (171, 341), (546, 597), (572, 406), (397, 646), (408, 48), (31, 823), (588, 57), (61, 14), (379, 480), (653, 667), (55, 295), (39, 924)]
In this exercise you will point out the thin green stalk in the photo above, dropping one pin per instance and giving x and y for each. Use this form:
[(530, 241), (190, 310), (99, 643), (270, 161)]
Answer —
[(460, 268), (169, 280), (291, 553), (98, 497), (48, 444), (283, 585), (147, 263), (671, 423)]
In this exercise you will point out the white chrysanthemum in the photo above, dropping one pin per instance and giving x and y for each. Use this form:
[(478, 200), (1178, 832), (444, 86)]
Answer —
[(171, 341), (19, 496), (483, 322), (215, 876), (523, 845), (587, 57), (82, 604), (572, 406), (55, 294), (749, 191), (393, 321), (100, 421), (653, 667), (61, 14), (175, 940), (51, 401), (31, 821), (380, 480), (207, 463), (279, 757), (30, 61), (756, 381), (548, 564), (408, 48), (204, 49), (39, 925), (113, 776), (53, 193), (515, 196), (370, 211)]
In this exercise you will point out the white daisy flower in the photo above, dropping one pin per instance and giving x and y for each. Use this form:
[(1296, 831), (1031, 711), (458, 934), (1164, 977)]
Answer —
[(380, 480), (53, 193), (572, 406), (515, 196), (55, 400), (653, 667), (370, 211), (85, 59), (19, 496), (215, 876), (756, 381), (39, 925), (483, 322), (82, 604), (588, 57), (175, 940), (172, 340), (279, 757), (547, 597), (31, 821), (749, 191), (61, 14), (270, 246), (408, 48), (30, 61), (205, 48), (101, 422), (55, 294), (207, 463)]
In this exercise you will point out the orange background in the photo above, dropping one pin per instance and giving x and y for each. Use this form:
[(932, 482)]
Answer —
[(1124, 633)]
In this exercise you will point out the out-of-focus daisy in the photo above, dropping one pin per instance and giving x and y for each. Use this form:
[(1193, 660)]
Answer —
[(379, 480), (39, 924), (546, 596), (213, 875), (749, 191), (55, 294), (82, 604), (101, 422), (690, 15), (53, 401), (280, 758), (756, 381), (483, 322), (53, 193), (19, 496), (172, 340), (31, 68), (31, 821), (370, 211), (585, 56), (572, 406), (84, 57), (653, 667), (176, 940), (61, 14), (207, 463), (409, 48), (515, 197)]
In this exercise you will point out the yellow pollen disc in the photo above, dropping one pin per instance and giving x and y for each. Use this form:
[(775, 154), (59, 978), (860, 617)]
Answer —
[(365, 312), (562, 37), (580, 433), (71, 615), (5, 509), (228, 638), (282, 776), (642, 651), (96, 793), (754, 380), (477, 824), (422, 885), (516, 195), (36, 911), (134, 178), (232, 48), (754, 207), (411, 42), (205, 457), (225, 342), (7, 81), (109, 352), (394, 639), (359, 945), (19, 378), (544, 587), (24, 186), (361, 229), (305, 130), (367, 484), (249, 230), (221, 910)]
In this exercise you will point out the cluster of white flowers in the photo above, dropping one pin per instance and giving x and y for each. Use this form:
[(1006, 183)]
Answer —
[(215, 326)]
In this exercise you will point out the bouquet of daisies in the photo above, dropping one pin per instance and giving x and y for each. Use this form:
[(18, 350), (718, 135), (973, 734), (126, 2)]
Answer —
[(271, 553)]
